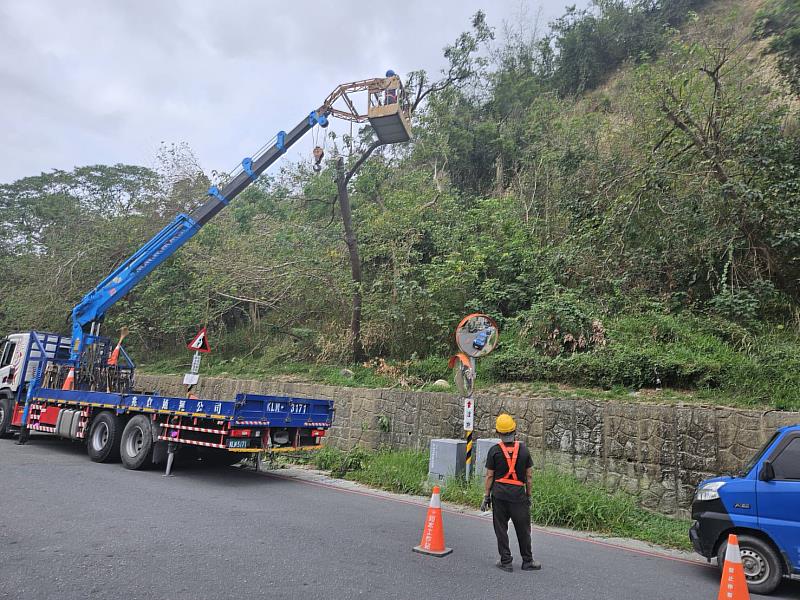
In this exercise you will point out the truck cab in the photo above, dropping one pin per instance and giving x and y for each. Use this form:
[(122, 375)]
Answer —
[(761, 504), (12, 351), (19, 358)]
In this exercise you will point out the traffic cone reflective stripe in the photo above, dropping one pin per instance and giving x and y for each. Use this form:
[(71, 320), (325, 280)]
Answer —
[(734, 584), (432, 541), (69, 382)]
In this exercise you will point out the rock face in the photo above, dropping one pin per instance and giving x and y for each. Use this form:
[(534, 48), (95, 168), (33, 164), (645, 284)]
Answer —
[(658, 452)]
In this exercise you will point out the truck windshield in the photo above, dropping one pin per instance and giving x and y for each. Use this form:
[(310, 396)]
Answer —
[(757, 456), (8, 353)]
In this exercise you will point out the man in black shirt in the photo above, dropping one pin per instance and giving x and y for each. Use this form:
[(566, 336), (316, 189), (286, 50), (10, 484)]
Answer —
[(508, 492)]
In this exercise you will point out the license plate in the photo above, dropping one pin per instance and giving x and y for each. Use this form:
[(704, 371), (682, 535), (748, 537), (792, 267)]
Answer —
[(238, 443)]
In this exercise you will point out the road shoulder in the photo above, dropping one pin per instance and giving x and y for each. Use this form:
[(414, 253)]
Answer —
[(315, 477)]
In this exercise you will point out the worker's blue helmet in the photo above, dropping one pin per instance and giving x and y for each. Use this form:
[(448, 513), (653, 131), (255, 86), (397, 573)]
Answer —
[(390, 73)]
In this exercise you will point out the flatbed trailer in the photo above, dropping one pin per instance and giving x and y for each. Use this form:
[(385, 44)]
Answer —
[(141, 428)]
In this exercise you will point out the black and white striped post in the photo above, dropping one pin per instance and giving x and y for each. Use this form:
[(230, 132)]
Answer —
[(468, 431), (476, 336)]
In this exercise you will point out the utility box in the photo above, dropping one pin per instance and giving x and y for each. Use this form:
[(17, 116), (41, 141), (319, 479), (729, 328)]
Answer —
[(448, 459), (482, 448)]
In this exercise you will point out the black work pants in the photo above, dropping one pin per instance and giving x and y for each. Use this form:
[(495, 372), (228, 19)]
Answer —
[(520, 515)]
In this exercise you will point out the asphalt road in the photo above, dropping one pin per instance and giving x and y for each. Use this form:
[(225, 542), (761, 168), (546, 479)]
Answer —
[(70, 528)]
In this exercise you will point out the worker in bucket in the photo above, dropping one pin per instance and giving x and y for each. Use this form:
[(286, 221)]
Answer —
[(508, 492), (390, 94)]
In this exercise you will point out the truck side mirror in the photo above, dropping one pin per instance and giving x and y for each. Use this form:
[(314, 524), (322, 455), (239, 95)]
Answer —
[(767, 471)]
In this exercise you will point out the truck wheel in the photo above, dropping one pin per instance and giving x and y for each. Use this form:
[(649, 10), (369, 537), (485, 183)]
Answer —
[(6, 412), (136, 446), (763, 568), (104, 438)]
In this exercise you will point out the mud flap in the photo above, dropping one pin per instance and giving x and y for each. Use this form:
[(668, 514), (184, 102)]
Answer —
[(160, 453)]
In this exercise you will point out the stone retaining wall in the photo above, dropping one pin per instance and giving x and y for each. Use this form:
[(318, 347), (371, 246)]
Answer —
[(658, 452)]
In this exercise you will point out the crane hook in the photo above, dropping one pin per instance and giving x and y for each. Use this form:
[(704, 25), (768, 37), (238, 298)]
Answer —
[(319, 153)]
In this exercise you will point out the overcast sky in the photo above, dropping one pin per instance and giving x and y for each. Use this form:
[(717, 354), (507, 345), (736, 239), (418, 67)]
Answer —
[(92, 81)]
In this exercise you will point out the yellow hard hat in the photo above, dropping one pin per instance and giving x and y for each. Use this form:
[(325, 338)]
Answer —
[(505, 424)]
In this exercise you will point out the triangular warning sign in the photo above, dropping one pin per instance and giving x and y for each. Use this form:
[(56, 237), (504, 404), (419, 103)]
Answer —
[(200, 342)]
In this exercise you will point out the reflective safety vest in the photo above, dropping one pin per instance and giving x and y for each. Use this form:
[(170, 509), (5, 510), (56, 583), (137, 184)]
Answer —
[(510, 455)]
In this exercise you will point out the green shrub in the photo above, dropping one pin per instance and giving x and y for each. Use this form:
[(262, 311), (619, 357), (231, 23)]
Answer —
[(402, 471), (430, 368), (327, 459), (340, 463), (684, 351), (560, 323)]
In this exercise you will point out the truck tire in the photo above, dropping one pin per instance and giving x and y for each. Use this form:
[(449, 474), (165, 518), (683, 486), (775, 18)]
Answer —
[(104, 437), (6, 412), (763, 568), (136, 445)]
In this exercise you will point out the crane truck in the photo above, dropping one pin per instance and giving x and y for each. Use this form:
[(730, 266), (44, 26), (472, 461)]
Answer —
[(81, 387)]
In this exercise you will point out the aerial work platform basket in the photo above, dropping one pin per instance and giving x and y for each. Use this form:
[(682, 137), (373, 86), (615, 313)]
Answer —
[(387, 112)]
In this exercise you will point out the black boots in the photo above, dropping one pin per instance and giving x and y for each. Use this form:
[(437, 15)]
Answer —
[(505, 566), (533, 565)]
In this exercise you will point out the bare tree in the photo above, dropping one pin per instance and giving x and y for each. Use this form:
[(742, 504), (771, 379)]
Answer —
[(352, 247)]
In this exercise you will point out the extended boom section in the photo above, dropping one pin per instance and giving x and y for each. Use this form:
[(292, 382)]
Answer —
[(388, 113), (166, 242)]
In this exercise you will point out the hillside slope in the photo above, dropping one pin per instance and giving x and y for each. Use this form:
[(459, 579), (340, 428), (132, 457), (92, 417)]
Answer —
[(630, 228)]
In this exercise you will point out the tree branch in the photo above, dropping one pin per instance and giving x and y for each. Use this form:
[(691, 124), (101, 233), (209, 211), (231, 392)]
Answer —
[(361, 160)]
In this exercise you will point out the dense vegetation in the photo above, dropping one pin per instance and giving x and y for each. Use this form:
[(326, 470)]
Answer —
[(620, 193)]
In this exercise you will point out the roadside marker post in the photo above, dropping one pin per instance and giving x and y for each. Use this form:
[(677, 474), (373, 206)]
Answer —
[(469, 426), (476, 336)]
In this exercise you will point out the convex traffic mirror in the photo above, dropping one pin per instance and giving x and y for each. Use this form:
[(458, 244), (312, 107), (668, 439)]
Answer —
[(477, 335)]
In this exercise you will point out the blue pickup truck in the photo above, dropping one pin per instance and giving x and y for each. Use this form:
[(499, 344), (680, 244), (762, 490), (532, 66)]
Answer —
[(761, 504)]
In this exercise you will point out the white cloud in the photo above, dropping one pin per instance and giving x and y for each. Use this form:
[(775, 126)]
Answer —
[(88, 81)]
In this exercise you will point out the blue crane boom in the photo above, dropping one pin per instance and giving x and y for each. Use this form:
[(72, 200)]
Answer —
[(165, 243)]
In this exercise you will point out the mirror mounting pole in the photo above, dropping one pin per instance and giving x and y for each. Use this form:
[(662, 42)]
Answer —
[(767, 471)]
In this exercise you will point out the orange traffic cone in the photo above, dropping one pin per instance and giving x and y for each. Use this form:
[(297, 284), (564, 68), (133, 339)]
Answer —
[(733, 585), (433, 532), (114, 358), (69, 382)]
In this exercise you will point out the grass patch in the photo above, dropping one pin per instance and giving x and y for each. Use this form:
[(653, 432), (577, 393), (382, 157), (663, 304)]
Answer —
[(559, 500), (401, 471), (253, 368)]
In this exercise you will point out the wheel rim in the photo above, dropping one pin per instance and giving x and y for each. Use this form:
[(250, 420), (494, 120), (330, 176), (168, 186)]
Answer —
[(135, 442), (2, 412), (100, 436), (756, 567)]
